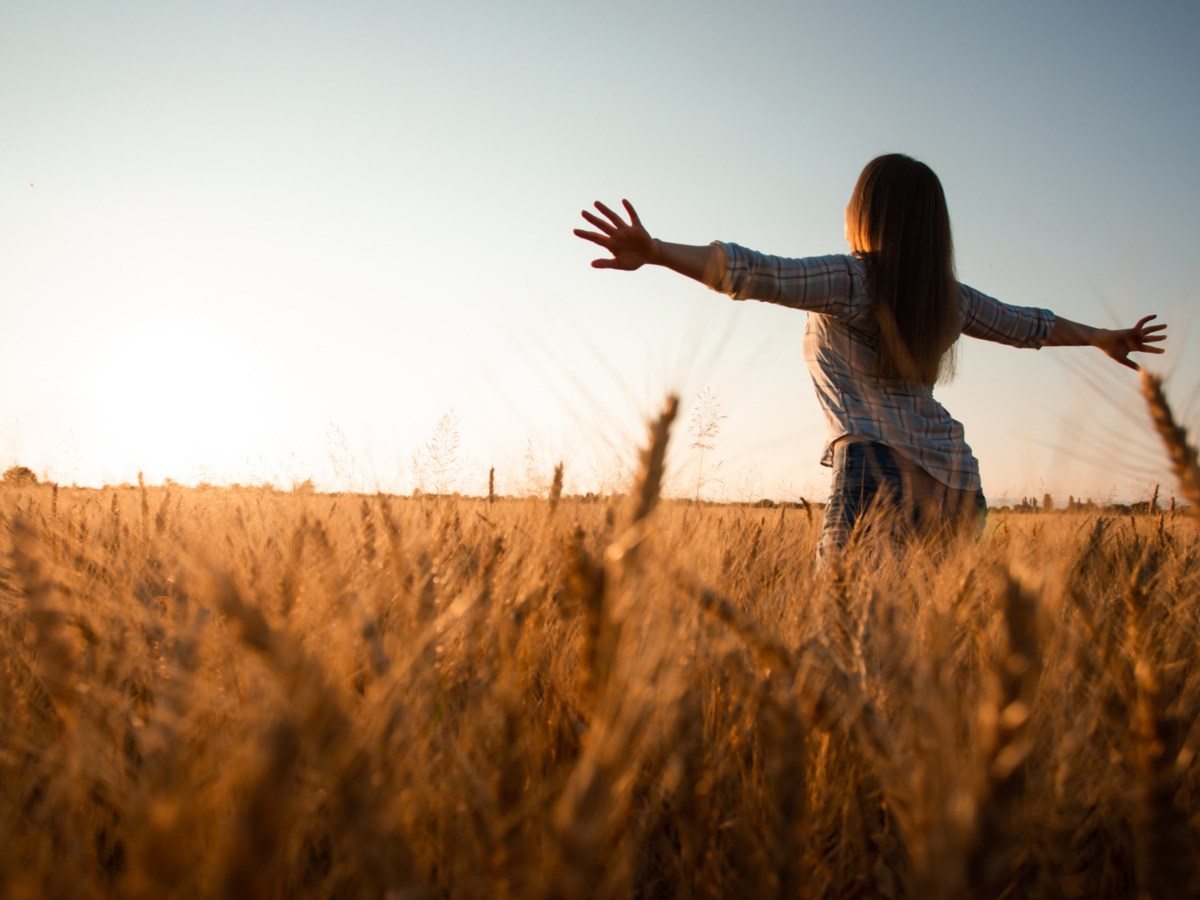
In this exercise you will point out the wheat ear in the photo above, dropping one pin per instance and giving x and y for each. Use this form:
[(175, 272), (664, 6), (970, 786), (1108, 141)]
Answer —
[(653, 459), (649, 484), (556, 487), (1183, 455)]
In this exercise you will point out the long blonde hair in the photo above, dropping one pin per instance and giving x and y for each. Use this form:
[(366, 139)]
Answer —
[(897, 221)]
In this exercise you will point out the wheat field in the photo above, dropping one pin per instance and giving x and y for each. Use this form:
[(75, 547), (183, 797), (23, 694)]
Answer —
[(252, 693)]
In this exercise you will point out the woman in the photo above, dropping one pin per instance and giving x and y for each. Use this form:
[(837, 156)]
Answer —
[(882, 327)]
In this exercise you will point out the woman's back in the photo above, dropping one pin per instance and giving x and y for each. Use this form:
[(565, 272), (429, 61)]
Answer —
[(842, 342)]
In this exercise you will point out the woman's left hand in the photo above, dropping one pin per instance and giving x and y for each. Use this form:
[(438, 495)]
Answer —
[(1141, 338)]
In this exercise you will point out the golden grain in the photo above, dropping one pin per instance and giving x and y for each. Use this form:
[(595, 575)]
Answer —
[(296, 694)]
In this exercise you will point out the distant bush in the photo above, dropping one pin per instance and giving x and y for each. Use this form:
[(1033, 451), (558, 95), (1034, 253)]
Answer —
[(19, 476)]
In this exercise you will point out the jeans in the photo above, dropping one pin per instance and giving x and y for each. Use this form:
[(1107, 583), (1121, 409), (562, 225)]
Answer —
[(878, 490)]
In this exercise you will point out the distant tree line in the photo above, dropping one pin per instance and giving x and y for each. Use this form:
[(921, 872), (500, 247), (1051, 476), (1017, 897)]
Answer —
[(1076, 504)]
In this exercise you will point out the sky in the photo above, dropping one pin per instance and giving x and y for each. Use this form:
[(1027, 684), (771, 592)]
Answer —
[(269, 242)]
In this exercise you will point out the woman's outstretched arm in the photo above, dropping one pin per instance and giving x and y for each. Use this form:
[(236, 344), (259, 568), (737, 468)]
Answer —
[(632, 246), (1117, 343)]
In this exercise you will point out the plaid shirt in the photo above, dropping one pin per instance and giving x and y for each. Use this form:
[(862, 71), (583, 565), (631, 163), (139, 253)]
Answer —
[(841, 346)]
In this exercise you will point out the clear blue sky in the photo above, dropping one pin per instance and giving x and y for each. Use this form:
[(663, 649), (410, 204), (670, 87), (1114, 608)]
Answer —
[(272, 241)]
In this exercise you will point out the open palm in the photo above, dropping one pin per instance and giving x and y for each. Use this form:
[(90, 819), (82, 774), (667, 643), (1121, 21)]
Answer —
[(629, 243), (1141, 338)]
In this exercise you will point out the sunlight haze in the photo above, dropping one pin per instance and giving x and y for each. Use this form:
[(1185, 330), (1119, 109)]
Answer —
[(264, 243)]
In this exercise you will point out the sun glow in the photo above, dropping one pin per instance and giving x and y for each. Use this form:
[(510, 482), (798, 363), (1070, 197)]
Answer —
[(177, 398)]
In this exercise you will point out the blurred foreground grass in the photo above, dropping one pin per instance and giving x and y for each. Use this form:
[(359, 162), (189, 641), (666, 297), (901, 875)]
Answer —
[(251, 693)]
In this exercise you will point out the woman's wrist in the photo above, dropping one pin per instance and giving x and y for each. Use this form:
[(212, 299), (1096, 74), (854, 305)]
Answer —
[(655, 256)]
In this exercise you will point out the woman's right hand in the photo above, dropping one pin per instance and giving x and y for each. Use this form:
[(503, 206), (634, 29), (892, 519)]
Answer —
[(629, 243)]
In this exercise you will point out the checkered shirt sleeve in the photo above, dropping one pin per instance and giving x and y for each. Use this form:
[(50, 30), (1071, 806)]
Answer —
[(987, 318)]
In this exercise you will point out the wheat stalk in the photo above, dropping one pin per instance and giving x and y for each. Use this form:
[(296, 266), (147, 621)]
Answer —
[(995, 851), (1162, 839)]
